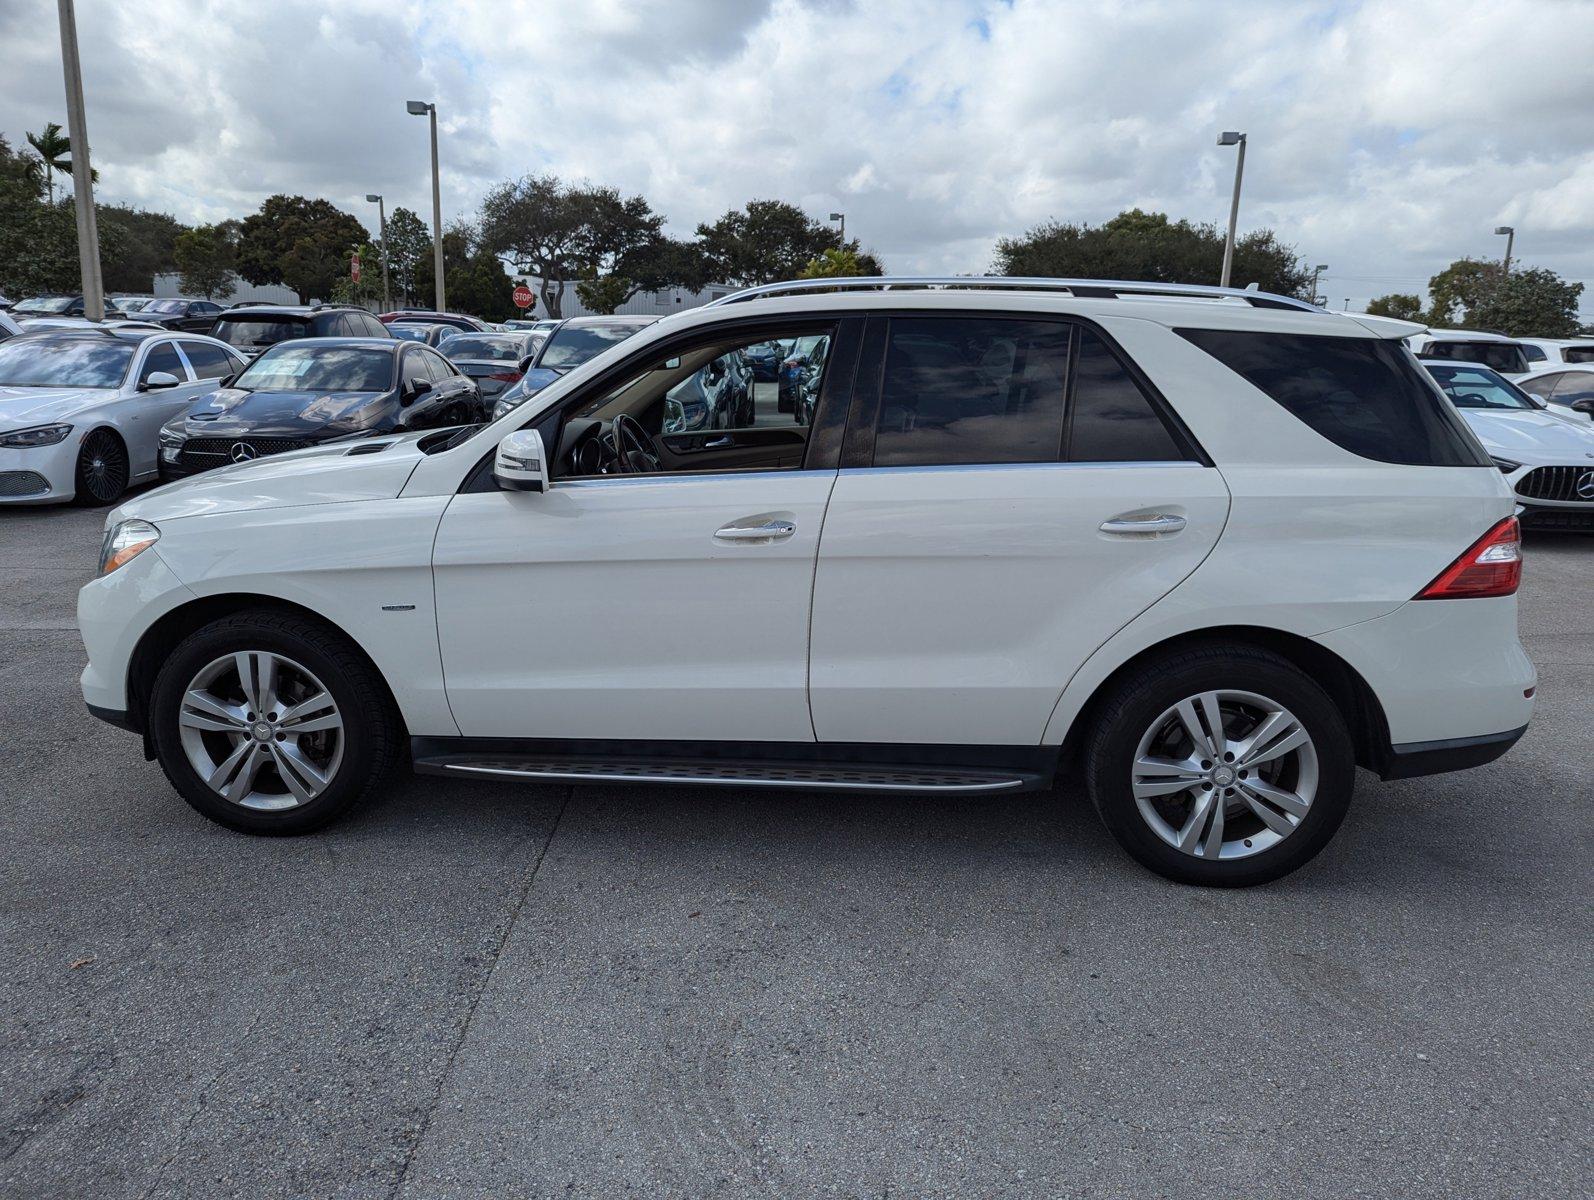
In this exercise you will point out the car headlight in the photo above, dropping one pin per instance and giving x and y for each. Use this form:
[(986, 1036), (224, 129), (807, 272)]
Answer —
[(503, 407), (43, 435), (1505, 464), (125, 542)]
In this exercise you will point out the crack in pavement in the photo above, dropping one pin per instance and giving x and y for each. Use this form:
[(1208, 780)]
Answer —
[(481, 988)]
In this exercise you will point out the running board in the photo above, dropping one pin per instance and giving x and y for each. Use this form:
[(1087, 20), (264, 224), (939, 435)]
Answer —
[(733, 773)]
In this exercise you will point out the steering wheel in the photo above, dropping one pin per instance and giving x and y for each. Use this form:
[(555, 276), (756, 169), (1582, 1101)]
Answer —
[(631, 439)]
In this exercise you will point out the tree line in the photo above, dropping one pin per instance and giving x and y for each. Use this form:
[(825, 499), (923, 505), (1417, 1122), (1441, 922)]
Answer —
[(607, 247)]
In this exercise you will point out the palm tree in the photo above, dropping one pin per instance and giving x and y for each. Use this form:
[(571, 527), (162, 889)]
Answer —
[(53, 146)]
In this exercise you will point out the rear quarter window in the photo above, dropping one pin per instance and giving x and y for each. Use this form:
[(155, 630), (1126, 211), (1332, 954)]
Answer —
[(1366, 395)]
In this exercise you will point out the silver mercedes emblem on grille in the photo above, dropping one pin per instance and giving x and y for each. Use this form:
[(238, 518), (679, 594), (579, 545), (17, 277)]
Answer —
[(243, 452), (1585, 486)]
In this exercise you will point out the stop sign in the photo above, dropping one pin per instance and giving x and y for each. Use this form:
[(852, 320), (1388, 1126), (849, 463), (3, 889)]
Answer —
[(354, 266), (522, 297)]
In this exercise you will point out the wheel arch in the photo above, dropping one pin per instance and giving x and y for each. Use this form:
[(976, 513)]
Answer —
[(164, 634), (1352, 695)]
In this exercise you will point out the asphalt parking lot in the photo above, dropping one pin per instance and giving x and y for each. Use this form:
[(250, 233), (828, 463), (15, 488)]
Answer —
[(476, 989)]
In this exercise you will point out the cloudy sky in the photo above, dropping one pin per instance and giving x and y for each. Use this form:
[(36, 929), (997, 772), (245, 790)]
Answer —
[(1386, 139)]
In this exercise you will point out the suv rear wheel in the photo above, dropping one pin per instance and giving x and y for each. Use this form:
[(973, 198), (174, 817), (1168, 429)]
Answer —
[(270, 723), (1220, 765)]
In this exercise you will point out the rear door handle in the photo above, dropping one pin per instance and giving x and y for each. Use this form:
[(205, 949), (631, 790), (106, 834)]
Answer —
[(770, 531), (1143, 524)]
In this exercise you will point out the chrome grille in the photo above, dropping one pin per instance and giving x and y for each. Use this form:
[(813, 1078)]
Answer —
[(23, 483), (1556, 483), (200, 453)]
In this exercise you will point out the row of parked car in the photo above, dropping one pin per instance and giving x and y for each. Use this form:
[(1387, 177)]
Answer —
[(89, 409)]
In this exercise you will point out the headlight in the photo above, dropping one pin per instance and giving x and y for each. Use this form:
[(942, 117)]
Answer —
[(503, 407), (125, 542), (1505, 464), (44, 435)]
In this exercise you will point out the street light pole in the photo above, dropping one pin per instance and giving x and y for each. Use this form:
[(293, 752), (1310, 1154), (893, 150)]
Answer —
[(1509, 232), (1317, 271), (88, 233), (1230, 138), (381, 218), (842, 217), (418, 108)]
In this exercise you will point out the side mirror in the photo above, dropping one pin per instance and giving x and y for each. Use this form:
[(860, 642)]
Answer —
[(520, 464), (158, 380), (413, 391), (1586, 407), (525, 363)]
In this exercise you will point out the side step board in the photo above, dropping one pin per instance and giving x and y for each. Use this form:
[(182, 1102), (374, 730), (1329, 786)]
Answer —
[(837, 776)]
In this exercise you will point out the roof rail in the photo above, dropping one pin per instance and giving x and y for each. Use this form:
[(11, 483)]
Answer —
[(1097, 288)]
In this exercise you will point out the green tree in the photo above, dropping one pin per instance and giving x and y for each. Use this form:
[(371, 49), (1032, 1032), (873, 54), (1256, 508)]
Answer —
[(408, 242), (1531, 302), (653, 266), (147, 247), (1150, 246), (604, 293), (1401, 305), (302, 243), (38, 240), (207, 257), (1456, 290), (767, 241), (563, 234), (52, 146), (832, 264)]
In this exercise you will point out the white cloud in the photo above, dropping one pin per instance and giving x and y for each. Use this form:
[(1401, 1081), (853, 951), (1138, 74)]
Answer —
[(1385, 138)]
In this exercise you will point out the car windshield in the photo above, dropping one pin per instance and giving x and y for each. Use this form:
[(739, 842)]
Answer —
[(1502, 356), (43, 361), (572, 345), (498, 349), (131, 303), (319, 368), (44, 304), (1479, 387), (409, 333), (164, 306), (254, 332)]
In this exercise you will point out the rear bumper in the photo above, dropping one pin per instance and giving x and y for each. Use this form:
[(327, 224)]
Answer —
[(1411, 759)]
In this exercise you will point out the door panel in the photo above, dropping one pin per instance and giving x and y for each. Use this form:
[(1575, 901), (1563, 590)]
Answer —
[(616, 607), (952, 604)]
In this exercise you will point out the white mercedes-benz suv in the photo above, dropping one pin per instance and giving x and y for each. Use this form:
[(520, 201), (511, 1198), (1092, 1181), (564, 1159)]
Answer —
[(1207, 550)]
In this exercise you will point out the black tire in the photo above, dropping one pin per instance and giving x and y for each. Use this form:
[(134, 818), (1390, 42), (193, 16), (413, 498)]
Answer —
[(373, 731), (1134, 706), (102, 470)]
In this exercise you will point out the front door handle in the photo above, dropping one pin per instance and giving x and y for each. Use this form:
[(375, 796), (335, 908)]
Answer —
[(769, 531), (720, 443), (1143, 524)]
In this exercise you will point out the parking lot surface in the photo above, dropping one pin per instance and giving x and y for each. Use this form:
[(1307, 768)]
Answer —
[(483, 990)]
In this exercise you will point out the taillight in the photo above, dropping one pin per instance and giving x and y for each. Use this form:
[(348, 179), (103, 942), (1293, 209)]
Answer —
[(507, 376), (1491, 566)]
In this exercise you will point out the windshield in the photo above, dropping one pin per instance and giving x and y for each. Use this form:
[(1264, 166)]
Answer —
[(64, 362), (499, 349), (322, 368), (1479, 387), (409, 333), (1502, 356), (164, 306), (45, 304), (254, 332), (572, 345), (131, 304)]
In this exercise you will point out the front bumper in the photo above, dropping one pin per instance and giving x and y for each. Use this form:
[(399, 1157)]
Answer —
[(113, 614), (1573, 518), (40, 474)]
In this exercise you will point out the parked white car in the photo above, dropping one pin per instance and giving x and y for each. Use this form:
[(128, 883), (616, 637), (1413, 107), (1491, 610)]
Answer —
[(1506, 355), (81, 409), (1549, 354), (1205, 549), (8, 327), (1568, 390), (1546, 457)]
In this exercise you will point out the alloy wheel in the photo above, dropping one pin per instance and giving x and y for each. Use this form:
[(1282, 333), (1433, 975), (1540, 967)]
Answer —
[(102, 467), (1225, 774), (261, 730)]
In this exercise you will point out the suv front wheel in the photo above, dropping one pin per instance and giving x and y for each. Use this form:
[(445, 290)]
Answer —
[(270, 723), (1220, 765)]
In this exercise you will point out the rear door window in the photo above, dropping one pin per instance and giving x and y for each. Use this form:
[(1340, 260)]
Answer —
[(1112, 418), (209, 362), (163, 358), (1366, 395), (1574, 386)]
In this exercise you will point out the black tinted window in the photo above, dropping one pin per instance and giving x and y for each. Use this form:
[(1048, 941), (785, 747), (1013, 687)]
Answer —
[(1502, 356), (1532, 353), (1539, 385), (1578, 354), (1574, 385), (163, 358), (972, 391), (442, 369), (209, 362), (1113, 420), (1365, 395), (251, 333)]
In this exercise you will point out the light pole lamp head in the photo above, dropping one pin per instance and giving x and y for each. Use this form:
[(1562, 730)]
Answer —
[(1322, 266), (372, 198), (837, 216), (1504, 230), (417, 108), (1230, 138)]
